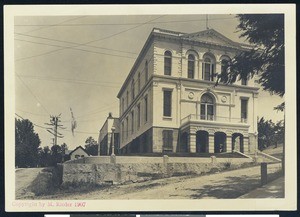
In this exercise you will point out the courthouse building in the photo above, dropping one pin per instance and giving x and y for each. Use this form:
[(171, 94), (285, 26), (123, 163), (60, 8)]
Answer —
[(169, 101)]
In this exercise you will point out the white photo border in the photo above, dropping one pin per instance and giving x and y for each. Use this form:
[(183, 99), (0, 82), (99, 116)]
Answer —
[(287, 203)]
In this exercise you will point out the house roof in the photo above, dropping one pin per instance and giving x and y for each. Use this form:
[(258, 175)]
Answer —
[(79, 147)]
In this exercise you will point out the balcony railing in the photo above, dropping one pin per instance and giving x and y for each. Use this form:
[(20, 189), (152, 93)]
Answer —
[(213, 118)]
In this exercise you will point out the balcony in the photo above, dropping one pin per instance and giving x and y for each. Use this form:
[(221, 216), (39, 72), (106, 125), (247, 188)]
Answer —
[(213, 119)]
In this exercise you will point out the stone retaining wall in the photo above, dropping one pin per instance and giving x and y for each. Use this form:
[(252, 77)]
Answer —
[(137, 171)]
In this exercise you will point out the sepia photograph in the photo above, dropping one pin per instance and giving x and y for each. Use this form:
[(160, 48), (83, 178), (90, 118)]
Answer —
[(148, 106)]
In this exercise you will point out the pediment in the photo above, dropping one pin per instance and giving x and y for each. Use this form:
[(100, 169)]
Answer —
[(211, 36)]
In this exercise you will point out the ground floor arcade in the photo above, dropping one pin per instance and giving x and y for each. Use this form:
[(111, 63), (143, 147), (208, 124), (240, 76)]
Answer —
[(217, 142), (192, 139), (211, 137)]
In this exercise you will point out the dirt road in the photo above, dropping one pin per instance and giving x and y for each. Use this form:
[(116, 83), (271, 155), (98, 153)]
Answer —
[(24, 178), (231, 184)]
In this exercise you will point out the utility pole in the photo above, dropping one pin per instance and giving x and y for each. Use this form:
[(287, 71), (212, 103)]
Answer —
[(55, 123)]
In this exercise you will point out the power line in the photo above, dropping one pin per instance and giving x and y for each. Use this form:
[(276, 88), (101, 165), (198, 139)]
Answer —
[(71, 81), (123, 24), (32, 94), (63, 41), (48, 26), (31, 113), (66, 79), (64, 47), (31, 122), (95, 111), (110, 36), (83, 132)]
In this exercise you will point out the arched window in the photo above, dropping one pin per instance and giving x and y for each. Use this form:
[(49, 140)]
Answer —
[(224, 65), (168, 63), (127, 99), (207, 107), (208, 69), (191, 66)]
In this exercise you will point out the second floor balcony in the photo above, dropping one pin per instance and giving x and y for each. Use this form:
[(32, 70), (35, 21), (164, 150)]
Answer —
[(213, 118)]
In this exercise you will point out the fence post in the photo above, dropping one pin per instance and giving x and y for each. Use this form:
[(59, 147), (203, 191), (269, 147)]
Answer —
[(264, 173), (166, 159), (166, 166), (113, 159), (213, 159)]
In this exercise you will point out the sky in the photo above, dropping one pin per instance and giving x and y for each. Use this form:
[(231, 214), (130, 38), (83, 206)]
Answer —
[(80, 62)]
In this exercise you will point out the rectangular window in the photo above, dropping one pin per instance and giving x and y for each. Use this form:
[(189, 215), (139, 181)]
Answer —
[(167, 140), (132, 90), (146, 109), (139, 82), (123, 106), (167, 103), (127, 99), (127, 128), (244, 110), (132, 122), (122, 131), (146, 72), (138, 116)]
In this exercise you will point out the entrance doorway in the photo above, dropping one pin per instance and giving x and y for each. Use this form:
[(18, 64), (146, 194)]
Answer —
[(220, 142), (201, 141)]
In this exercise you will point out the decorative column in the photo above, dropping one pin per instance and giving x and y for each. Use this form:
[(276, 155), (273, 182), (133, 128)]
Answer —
[(200, 69), (211, 143), (246, 145), (228, 143), (108, 143), (192, 142), (218, 67), (113, 140)]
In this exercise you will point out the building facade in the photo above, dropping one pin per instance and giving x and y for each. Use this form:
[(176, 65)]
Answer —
[(105, 136), (169, 102)]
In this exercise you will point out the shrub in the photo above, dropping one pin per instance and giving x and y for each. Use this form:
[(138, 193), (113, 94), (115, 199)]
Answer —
[(227, 165)]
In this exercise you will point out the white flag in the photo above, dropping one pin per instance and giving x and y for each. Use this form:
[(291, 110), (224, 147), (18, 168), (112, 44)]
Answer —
[(73, 122)]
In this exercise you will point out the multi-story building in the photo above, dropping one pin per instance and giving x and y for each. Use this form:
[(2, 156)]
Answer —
[(169, 102), (109, 129)]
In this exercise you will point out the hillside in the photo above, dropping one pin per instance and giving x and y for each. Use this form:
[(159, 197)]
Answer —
[(275, 152)]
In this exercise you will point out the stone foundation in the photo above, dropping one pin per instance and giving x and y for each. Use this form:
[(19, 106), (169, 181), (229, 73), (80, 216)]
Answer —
[(141, 171)]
